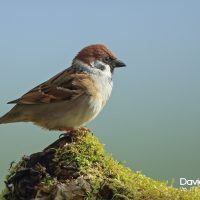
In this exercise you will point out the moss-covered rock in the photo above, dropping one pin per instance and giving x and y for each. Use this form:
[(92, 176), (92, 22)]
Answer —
[(76, 167)]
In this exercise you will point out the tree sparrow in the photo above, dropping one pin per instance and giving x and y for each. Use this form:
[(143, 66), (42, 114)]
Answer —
[(72, 98)]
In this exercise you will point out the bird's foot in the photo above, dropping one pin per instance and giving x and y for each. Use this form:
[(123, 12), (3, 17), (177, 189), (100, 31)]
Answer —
[(71, 131), (84, 129), (68, 131)]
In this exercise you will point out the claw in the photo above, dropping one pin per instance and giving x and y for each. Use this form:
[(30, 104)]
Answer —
[(67, 133), (70, 131), (84, 129)]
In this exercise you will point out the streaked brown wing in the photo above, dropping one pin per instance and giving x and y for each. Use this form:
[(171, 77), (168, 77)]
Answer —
[(65, 86)]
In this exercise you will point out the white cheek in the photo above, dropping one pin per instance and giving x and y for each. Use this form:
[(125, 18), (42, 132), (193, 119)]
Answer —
[(105, 72)]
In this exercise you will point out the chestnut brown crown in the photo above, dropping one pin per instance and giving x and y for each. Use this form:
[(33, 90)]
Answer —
[(94, 52)]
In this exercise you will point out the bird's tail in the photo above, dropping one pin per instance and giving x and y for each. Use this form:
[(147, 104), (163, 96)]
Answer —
[(12, 116), (5, 119)]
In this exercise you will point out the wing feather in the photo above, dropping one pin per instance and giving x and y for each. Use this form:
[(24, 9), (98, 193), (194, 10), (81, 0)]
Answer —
[(65, 86)]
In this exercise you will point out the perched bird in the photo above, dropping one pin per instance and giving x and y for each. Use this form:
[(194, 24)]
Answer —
[(72, 98)]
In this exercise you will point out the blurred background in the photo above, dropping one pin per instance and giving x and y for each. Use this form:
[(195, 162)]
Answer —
[(152, 119)]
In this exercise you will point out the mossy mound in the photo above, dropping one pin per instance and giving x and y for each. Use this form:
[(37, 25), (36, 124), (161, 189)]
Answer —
[(76, 167)]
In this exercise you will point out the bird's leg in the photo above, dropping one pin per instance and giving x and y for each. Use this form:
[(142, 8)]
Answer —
[(84, 129), (71, 131), (68, 131)]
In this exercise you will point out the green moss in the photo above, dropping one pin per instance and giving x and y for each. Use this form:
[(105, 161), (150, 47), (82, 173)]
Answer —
[(91, 159), (109, 179), (109, 175), (48, 181)]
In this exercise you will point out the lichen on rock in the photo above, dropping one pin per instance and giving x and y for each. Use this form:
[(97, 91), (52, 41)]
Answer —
[(76, 167)]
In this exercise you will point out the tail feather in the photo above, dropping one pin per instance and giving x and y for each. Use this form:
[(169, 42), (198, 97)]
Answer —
[(6, 119), (3, 120), (12, 116)]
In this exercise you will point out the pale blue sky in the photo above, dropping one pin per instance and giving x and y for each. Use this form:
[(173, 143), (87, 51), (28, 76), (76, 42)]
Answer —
[(152, 118)]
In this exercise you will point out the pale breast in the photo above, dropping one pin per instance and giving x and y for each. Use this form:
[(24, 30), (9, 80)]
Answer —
[(103, 85)]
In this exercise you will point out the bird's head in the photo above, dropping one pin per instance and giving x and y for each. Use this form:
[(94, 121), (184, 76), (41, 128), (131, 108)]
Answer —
[(98, 56)]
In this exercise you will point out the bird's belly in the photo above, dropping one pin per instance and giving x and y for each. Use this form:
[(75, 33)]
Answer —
[(71, 115), (78, 116)]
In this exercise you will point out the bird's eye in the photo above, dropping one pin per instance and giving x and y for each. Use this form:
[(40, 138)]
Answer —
[(106, 59)]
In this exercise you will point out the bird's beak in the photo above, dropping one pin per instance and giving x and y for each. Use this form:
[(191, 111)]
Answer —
[(118, 63)]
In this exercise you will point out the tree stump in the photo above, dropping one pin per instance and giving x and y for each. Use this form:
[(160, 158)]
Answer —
[(76, 167)]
